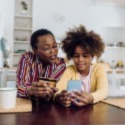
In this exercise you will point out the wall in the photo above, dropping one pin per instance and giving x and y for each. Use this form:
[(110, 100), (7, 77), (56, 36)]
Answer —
[(48, 13), (7, 16), (60, 15)]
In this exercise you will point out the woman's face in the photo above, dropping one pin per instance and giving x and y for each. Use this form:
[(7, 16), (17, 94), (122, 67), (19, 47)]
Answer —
[(82, 60), (47, 49)]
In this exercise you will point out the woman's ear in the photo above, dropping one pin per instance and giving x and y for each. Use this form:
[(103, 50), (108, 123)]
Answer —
[(35, 50)]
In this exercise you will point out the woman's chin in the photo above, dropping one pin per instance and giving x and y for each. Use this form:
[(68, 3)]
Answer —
[(54, 60)]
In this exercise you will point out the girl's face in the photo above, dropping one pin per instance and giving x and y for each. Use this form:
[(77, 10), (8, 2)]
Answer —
[(47, 48), (82, 60)]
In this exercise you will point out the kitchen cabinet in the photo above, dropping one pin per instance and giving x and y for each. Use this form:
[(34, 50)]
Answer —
[(116, 80), (113, 55), (112, 36)]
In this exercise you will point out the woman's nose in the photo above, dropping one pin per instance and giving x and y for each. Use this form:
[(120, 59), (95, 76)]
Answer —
[(53, 50)]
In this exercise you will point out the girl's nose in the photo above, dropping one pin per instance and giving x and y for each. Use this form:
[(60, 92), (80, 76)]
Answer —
[(81, 58)]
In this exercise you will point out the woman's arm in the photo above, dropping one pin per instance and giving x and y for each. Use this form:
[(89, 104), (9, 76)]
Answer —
[(56, 70), (27, 79), (23, 76)]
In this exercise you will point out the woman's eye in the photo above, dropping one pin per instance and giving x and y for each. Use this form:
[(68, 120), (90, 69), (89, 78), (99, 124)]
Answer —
[(45, 48)]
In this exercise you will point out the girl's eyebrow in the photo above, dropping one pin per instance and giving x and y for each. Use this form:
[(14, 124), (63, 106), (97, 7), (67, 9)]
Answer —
[(82, 53)]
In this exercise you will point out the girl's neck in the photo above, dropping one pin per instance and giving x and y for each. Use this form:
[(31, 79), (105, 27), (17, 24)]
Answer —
[(85, 72)]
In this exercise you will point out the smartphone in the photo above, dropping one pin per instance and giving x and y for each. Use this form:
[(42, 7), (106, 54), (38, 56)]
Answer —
[(74, 85)]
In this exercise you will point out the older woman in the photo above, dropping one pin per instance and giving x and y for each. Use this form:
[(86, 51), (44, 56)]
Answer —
[(42, 62)]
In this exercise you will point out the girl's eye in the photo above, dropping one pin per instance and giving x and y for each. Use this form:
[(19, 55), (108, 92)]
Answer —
[(76, 55), (86, 55), (55, 46)]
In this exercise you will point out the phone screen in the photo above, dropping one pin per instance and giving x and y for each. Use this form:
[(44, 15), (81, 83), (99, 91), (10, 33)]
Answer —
[(74, 85)]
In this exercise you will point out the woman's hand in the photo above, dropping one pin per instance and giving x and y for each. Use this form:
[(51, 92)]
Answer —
[(42, 90), (81, 98), (64, 98)]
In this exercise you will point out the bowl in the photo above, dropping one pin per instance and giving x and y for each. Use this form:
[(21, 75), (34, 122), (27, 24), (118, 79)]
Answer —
[(8, 98)]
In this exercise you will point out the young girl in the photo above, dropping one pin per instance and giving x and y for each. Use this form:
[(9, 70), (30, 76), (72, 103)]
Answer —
[(81, 46)]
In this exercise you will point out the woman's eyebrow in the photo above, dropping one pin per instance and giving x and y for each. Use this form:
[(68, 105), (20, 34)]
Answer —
[(48, 45)]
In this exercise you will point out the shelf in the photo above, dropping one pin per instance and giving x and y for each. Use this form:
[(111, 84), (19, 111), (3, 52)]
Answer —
[(118, 3), (17, 54), (111, 47), (21, 16), (21, 42), (20, 28), (116, 70)]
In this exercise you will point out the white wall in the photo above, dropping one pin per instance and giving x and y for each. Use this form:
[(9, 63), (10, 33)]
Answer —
[(76, 12), (60, 15), (109, 21), (7, 15), (1, 26)]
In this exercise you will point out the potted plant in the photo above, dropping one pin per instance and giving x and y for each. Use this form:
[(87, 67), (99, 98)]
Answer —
[(24, 8)]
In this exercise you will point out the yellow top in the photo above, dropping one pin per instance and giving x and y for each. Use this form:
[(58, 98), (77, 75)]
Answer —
[(98, 84)]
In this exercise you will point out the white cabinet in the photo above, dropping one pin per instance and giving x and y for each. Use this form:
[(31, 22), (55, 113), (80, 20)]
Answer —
[(22, 28), (113, 36), (7, 77), (114, 39), (113, 55), (116, 79)]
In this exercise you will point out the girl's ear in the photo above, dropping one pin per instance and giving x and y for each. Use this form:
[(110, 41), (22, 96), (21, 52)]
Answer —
[(92, 57)]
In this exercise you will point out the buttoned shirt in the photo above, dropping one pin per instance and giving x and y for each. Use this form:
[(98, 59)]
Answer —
[(30, 69)]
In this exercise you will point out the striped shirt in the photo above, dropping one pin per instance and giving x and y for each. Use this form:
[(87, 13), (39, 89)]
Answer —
[(30, 69)]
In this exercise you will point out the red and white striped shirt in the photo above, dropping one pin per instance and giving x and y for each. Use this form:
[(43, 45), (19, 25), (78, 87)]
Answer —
[(30, 69)]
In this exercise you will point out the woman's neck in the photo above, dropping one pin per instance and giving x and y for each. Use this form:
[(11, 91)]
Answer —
[(45, 64)]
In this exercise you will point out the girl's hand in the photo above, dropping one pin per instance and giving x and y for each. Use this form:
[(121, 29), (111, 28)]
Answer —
[(64, 98), (81, 98)]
